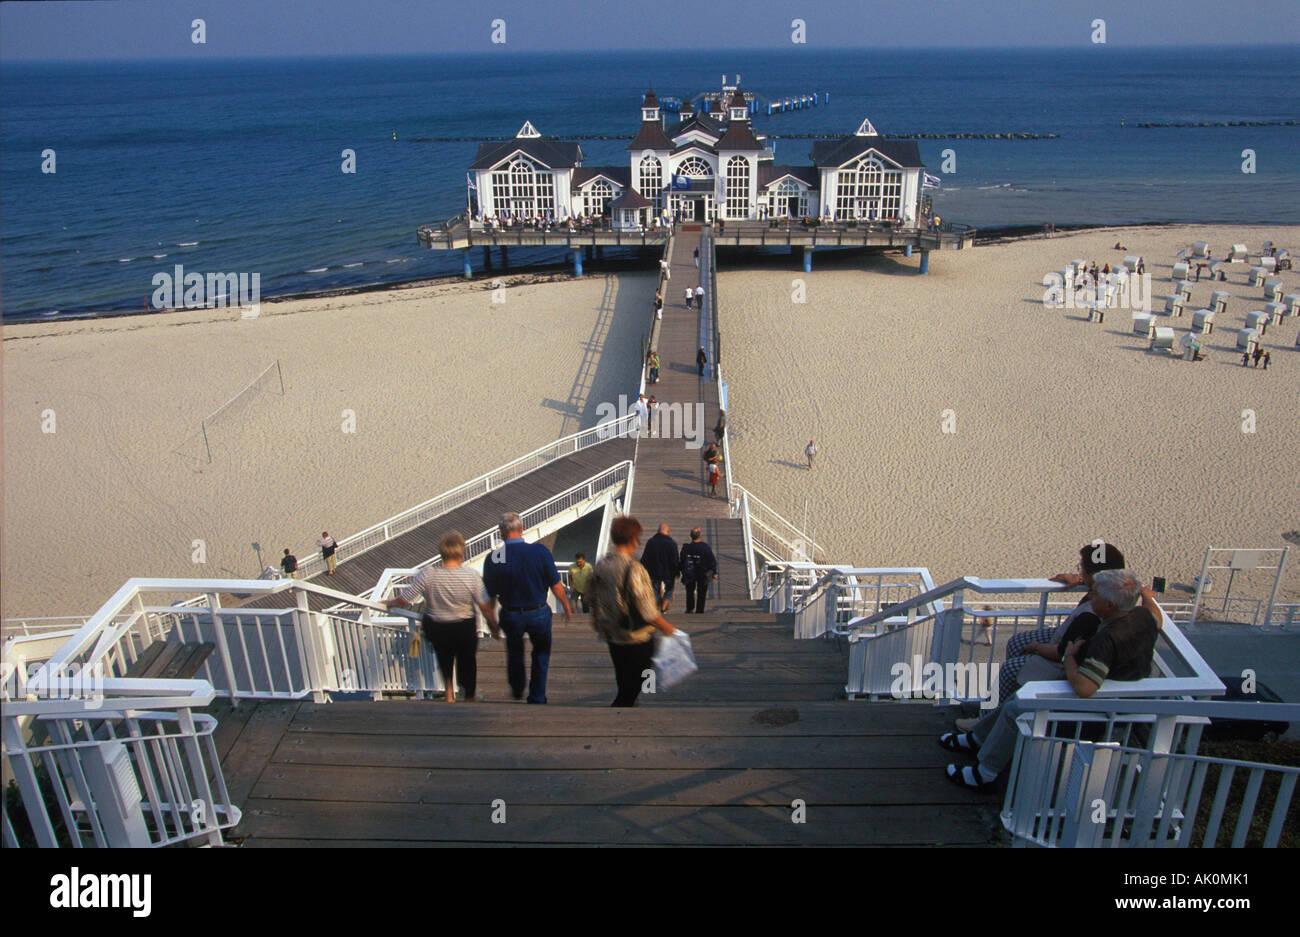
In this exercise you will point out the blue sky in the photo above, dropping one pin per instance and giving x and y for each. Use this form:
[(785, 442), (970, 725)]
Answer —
[(152, 29)]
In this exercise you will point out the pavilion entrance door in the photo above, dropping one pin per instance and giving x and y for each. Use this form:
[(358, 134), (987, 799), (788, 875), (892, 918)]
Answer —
[(697, 209)]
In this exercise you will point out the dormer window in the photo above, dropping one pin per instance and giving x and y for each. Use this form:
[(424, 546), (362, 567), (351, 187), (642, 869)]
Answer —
[(739, 113), (649, 113)]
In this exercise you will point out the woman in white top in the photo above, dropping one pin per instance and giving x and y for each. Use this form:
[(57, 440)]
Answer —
[(450, 594)]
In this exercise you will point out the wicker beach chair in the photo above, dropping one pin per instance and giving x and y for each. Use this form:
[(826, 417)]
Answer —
[(1258, 320), (1180, 271), (1203, 321), (1247, 340), (1273, 290), (1144, 324), (1237, 255), (1219, 300), (1162, 339)]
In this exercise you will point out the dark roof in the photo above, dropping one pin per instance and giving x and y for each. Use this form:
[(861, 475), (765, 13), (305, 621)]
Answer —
[(651, 137), (839, 152), (701, 121), (695, 146), (738, 137), (620, 175), (738, 100), (768, 174), (553, 154), (630, 199), (650, 99)]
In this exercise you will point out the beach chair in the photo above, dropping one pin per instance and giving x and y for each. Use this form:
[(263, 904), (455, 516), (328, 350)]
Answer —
[(1180, 270), (1257, 275), (1131, 263), (1162, 338), (1276, 312), (1078, 266), (1191, 347), (1273, 290), (1247, 340), (1219, 271), (1185, 288), (1268, 263), (1237, 255), (1174, 304), (1266, 247), (1144, 324), (1201, 249), (1258, 320), (1203, 321), (1291, 301), (1283, 259), (1219, 300), (1097, 310)]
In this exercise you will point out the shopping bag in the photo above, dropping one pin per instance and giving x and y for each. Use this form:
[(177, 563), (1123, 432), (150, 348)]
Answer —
[(673, 659), (414, 649)]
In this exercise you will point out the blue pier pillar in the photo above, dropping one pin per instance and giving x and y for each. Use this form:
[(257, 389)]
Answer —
[(577, 263), (807, 259), (907, 250), (925, 261), (469, 270)]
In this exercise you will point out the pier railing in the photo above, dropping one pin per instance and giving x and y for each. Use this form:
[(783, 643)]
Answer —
[(792, 233), (411, 518), (460, 233)]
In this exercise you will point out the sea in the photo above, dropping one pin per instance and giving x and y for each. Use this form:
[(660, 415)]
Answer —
[(237, 165)]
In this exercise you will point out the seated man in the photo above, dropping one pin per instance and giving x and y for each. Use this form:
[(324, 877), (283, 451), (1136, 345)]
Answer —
[(1122, 649)]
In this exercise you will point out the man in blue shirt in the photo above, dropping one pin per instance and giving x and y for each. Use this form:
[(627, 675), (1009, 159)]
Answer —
[(518, 575)]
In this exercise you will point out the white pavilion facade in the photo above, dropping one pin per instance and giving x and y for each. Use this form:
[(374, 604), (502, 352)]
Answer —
[(707, 166)]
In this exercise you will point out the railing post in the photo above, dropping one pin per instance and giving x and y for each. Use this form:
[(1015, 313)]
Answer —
[(1200, 586), (307, 637), (194, 755), (1272, 596), (223, 646)]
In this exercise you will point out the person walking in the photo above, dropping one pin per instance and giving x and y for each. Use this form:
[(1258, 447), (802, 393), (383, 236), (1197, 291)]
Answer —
[(654, 416), (642, 411), (810, 450), (701, 359), (1267, 354), (1259, 353), (654, 367), (327, 546), (715, 472), (660, 561), (720, 428), (580, 582), (666, 269), (289, 563), (697, 258), (518, 575), (699, 296), (690, 295), (451, 592), (698, 568), (624, 610)]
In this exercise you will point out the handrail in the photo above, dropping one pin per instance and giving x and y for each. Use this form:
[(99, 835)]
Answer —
[(488, 481), (972, 583)]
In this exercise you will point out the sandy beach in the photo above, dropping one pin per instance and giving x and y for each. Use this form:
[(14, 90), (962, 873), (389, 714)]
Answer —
[(443, 383), (1065, 430)]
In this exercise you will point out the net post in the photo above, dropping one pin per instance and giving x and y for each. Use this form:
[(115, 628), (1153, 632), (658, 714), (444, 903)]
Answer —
[(281, 373), (204, 427)]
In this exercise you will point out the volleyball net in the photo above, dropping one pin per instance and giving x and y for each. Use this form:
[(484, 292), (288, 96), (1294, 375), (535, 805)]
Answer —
[(215, 431)]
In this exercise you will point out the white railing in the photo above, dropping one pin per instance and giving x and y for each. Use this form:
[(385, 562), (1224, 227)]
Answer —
[(1145, 785), (776, 537), (575, 498), (142, 769), (463, 494)]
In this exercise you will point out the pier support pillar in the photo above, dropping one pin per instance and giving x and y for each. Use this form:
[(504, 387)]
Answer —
[(925, 261), (807, 259), (577, 263), (907, 250), (487, 256), (505, 258), (469, 270), (600, 252)]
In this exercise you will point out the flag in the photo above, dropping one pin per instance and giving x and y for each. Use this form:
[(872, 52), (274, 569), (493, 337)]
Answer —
[(681, 182), (469, 181), (930, 182)]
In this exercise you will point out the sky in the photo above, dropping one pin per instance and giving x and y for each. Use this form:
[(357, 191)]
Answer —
[(161, 29)]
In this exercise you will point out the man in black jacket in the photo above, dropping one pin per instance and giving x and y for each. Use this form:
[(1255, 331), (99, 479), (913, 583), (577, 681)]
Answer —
[(660, 560), (698, 567)]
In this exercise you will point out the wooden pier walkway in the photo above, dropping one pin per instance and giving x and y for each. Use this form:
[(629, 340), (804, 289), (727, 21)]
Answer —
[(759, 748)]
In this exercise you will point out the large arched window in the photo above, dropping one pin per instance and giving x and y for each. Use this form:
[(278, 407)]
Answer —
[(694, 167), (523, 189), (869, 190), (787, 199), (737, 188), (596, 198), (652, 181)]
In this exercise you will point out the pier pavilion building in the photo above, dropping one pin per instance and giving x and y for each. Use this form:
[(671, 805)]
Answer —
[(707, 166)]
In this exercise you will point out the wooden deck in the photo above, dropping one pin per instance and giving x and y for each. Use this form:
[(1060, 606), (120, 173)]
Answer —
[(723, 759)]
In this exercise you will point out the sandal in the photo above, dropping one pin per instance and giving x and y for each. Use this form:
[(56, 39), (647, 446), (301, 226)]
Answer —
[(962, 742), (969, 778)]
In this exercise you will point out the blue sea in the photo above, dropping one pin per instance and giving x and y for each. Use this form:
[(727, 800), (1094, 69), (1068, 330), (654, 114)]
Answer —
[(235, 165)]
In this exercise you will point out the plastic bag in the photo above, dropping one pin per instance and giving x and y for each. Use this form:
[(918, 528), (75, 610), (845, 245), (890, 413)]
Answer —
[(673, 659)]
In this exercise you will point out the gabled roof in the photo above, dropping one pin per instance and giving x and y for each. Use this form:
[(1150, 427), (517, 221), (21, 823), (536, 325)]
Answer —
[(650, 99), (847, 149), (694, 145), (738, 100), (651, 137), (770, 175), (621, 176), (553, 154), (630, 199), (701, 122), (738, 137)]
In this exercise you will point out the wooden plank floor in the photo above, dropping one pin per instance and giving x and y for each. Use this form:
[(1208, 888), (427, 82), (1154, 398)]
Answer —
[(718, 760)]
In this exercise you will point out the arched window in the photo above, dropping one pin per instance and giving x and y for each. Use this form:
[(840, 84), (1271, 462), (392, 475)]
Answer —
[(694, 167), (596, 198), (652, 181), (787, 199), (522, 188), (737, 188), (869, 190)]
